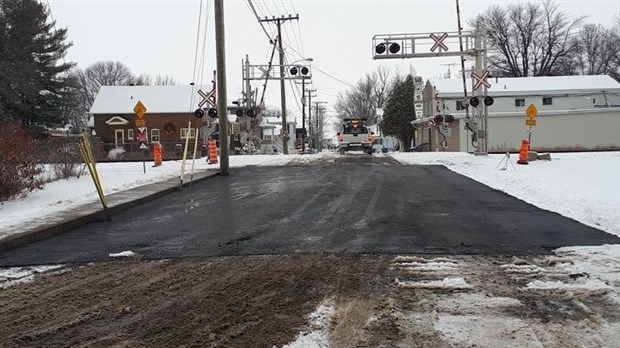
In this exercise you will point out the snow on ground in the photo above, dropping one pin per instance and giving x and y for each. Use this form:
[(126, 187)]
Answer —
[(123, 254), (16, 275), (317, 335)]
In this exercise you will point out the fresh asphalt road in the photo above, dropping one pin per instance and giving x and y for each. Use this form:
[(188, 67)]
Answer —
[(352, 203)]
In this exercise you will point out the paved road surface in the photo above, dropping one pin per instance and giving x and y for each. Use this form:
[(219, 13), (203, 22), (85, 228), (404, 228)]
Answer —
[(352, 203)]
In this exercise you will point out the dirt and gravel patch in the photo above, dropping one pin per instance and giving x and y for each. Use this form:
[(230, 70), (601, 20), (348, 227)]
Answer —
[(267, 301)]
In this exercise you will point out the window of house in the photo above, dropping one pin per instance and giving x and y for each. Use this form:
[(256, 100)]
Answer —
[(519, 102), (459, 105), (130, 135), (547, 101), (192, 133), (154, 135)]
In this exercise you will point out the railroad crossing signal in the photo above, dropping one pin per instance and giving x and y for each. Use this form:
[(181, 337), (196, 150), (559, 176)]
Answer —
[(439, 42), (207, 98), (481, 80)]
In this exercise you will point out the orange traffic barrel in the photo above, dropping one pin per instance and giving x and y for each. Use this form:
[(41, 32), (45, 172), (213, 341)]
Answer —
[(212, 151), (157, 154), (525, 147)]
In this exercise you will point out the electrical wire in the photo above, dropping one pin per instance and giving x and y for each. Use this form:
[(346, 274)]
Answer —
[(195, 60), (321, 70), (249, 3), (203, 58)]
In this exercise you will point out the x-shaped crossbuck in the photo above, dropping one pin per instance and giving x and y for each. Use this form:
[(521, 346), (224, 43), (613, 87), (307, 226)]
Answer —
[(207, 98), (481, 80), (439, 42)]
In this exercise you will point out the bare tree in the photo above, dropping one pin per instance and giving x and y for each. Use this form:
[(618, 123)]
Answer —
[(369, 93), (531, 39), (596, 48), (166, 80)]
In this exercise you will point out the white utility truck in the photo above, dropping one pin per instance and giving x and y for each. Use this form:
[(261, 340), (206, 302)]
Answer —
[(354, 136)]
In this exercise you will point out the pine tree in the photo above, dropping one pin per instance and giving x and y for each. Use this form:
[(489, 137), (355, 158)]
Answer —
[(33, 83), (400, 111)]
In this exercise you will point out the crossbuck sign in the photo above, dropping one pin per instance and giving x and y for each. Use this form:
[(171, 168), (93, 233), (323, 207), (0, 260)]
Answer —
[(481, 80), (207, 98), (439, 42)]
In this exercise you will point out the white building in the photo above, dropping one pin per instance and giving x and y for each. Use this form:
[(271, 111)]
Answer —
[(574, 113)]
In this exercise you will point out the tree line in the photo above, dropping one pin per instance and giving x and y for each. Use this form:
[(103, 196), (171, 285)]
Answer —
[(38, 87)]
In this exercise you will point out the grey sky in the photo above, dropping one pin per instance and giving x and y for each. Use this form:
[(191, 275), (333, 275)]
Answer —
[(159, 36)]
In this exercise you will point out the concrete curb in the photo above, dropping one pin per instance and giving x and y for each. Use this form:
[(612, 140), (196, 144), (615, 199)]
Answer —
[(88, 213)]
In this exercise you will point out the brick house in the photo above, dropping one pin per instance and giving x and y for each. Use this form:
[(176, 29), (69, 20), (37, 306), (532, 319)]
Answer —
[(169, 111)]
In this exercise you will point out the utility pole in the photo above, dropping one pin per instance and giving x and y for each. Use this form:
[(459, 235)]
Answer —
[(279, 22), (222, 106), (303, 116), (319, 123), (310, 91)]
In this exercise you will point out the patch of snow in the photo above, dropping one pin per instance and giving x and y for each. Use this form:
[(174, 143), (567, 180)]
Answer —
[(486, 331), (587, 285), (447, 283), (17, 275), (123, 254), (317, 336)]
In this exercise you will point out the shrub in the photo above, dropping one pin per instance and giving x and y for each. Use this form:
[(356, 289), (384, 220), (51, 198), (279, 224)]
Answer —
[(20, 167)]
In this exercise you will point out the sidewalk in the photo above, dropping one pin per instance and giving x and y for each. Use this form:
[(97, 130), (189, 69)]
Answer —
[(87, 213)]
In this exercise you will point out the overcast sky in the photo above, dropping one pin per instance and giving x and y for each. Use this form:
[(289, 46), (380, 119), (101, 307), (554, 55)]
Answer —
[(159, 36)]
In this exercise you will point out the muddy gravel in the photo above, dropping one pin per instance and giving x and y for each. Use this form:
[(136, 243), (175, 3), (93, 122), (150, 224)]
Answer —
[(267, 301)]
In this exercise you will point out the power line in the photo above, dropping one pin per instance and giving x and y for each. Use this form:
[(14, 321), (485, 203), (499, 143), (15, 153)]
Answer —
[(320, 70), (249, 3)]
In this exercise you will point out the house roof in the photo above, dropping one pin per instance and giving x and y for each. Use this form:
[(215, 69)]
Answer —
[(157, 99), (582, 84)]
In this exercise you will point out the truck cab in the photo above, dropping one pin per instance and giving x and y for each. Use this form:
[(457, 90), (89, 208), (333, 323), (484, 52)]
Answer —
[(354, 136)]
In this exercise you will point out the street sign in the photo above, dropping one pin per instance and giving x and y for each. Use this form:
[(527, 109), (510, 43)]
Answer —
[(139, 109), (439, 42), (481, 80), (143, 146), (140, 122), (531, 111), (530, 122), (207, 98), (142, 137)]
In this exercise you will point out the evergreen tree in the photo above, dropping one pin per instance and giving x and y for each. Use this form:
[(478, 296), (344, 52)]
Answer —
[(33, 83), (400, 111)]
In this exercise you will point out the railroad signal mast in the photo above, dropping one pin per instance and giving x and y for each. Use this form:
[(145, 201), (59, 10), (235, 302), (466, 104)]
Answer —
[(448, 44)]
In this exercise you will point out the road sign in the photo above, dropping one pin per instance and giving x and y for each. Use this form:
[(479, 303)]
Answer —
[(531, 111), (140, 122), (143, 146), (439, 42), (207, 98), (530, 122), (142, 137), (139, 109), (481, 80)]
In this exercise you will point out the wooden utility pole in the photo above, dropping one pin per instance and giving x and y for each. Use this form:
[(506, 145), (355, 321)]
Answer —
[(279, 22), (222, 111)]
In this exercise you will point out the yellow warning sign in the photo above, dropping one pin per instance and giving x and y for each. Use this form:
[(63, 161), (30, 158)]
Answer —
[(140, 122), (139, 109), (531, 111), (530, 122)]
